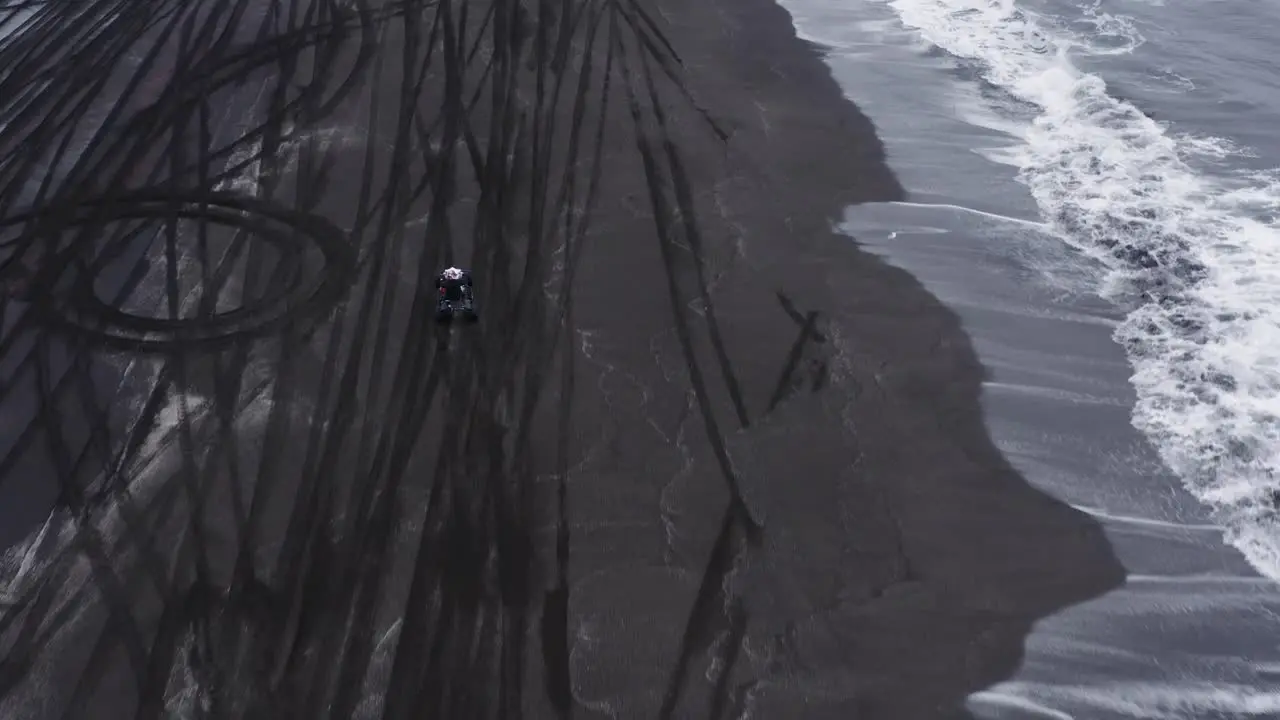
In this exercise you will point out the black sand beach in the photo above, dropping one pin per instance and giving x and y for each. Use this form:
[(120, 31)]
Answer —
[(701, 457)]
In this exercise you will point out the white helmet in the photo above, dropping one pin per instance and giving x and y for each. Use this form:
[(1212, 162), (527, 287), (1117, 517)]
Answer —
[(453, 273)]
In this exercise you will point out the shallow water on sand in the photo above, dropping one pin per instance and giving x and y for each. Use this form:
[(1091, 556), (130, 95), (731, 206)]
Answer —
[(1192, 632)]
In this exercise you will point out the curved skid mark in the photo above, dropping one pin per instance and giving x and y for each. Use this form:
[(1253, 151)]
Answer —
[(268, 454)]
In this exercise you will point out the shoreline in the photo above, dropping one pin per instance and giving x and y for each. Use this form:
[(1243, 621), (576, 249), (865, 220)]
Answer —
[(772, 453), (1058, 403), (912, 385)]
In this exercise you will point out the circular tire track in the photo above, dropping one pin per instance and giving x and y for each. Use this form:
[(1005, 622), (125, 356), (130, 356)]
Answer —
[(79, 310)]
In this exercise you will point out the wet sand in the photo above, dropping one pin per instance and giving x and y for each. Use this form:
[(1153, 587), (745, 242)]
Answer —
[(700, 456)]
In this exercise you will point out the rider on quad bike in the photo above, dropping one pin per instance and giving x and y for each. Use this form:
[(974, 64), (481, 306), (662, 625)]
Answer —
[(454, 288)]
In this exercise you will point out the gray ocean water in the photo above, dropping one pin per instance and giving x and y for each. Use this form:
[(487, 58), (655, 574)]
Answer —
[(1093, 190)]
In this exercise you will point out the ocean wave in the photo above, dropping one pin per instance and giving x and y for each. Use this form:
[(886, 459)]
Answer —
[(1194, 258), (1147, 700)]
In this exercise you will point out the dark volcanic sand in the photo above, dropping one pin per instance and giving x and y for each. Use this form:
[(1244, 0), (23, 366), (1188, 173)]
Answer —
[(700, 457)]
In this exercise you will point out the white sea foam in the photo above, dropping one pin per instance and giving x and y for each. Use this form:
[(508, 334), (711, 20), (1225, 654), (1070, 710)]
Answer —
[(1195, 258), (1148, 522), (1163, 701)]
